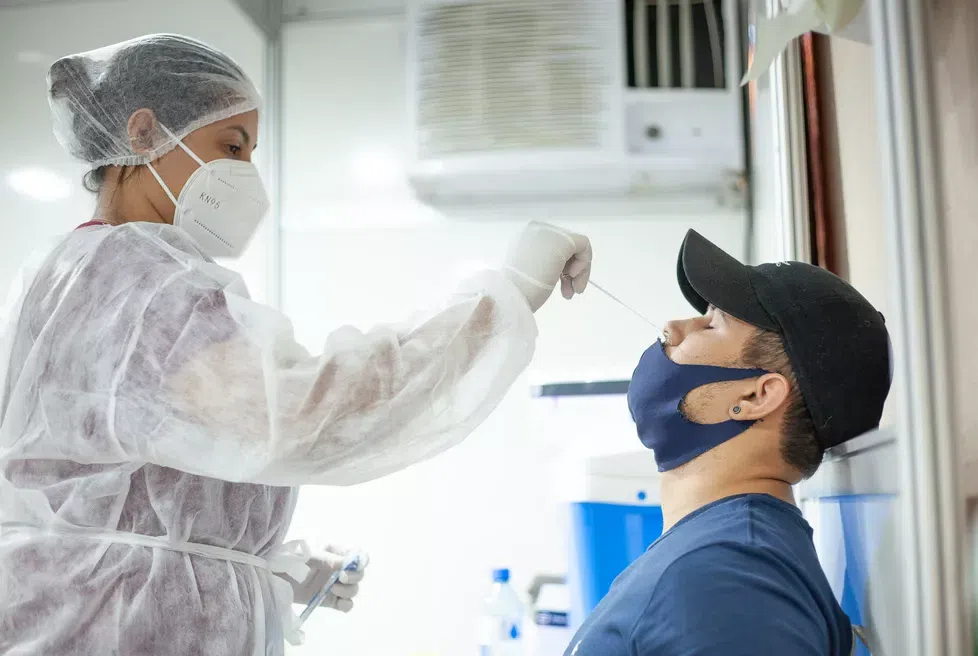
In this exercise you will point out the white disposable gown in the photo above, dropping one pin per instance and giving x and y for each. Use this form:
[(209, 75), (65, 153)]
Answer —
[(155, 422)]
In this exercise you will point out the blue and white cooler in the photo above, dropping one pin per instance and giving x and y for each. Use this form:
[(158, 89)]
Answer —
[(616, 518)]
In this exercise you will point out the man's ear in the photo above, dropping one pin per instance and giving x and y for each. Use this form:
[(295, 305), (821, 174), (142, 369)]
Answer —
[(767, 393), (143, 130)]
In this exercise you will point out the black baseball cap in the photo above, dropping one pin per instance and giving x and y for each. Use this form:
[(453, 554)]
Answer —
[(836, 340)]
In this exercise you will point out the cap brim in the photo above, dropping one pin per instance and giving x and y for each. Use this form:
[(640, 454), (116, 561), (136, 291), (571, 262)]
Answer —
[(709, 276)]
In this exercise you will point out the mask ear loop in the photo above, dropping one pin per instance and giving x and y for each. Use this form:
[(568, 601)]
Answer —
[(182, 145), (186, 150), (166, 189)]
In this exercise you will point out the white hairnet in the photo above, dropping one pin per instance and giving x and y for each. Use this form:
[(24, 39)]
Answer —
[(147, 398), (186, 84)]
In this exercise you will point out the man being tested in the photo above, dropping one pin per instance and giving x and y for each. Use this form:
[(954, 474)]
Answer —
[(738, 405)]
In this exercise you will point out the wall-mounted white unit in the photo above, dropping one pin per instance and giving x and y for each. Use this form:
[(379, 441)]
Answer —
[(514, 99)]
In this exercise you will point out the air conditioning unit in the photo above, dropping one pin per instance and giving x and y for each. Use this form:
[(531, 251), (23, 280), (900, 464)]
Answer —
[(528, 99)]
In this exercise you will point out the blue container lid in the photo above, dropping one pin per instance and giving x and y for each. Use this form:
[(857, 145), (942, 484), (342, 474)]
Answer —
[(500, 576)]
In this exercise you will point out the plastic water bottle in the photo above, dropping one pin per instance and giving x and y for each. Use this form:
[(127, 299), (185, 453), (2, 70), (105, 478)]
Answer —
[(501, 625)]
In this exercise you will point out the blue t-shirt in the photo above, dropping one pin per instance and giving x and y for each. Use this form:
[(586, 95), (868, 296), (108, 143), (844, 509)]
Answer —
[(738, 577)]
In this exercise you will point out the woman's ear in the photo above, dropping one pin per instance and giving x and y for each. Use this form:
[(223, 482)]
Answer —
[(143, 130), (768, 393)]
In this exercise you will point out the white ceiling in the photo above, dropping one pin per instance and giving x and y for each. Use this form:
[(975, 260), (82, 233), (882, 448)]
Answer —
[(290, 7), (325, 8), (21, 3)]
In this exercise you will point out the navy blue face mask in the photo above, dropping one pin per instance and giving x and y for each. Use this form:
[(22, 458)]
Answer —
[(655, 393)]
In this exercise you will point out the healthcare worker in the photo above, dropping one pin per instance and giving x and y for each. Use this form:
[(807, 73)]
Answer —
[(155, 422)]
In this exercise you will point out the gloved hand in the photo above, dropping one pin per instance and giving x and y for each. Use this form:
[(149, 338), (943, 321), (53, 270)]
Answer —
[(544, 254), (323, 564)]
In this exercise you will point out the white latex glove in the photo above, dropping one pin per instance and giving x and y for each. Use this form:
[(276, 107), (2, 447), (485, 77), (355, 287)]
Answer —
[(323, 564), (544, 254)]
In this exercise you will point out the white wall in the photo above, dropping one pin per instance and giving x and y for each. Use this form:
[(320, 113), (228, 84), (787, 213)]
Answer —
[(31, 38), (860, 168), (359, 249)]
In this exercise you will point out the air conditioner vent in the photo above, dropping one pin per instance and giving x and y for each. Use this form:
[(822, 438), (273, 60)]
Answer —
[(513, 75)]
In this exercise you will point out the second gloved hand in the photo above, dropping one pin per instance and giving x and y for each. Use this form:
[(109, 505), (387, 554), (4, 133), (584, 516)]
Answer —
[(545, 254), (322, 565)]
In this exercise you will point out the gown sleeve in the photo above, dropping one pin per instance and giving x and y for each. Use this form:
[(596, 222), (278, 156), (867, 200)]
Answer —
[(140, 351)]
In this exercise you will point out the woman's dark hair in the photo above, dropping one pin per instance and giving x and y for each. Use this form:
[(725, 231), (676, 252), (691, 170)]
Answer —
[(180, 80), (95, 179)]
